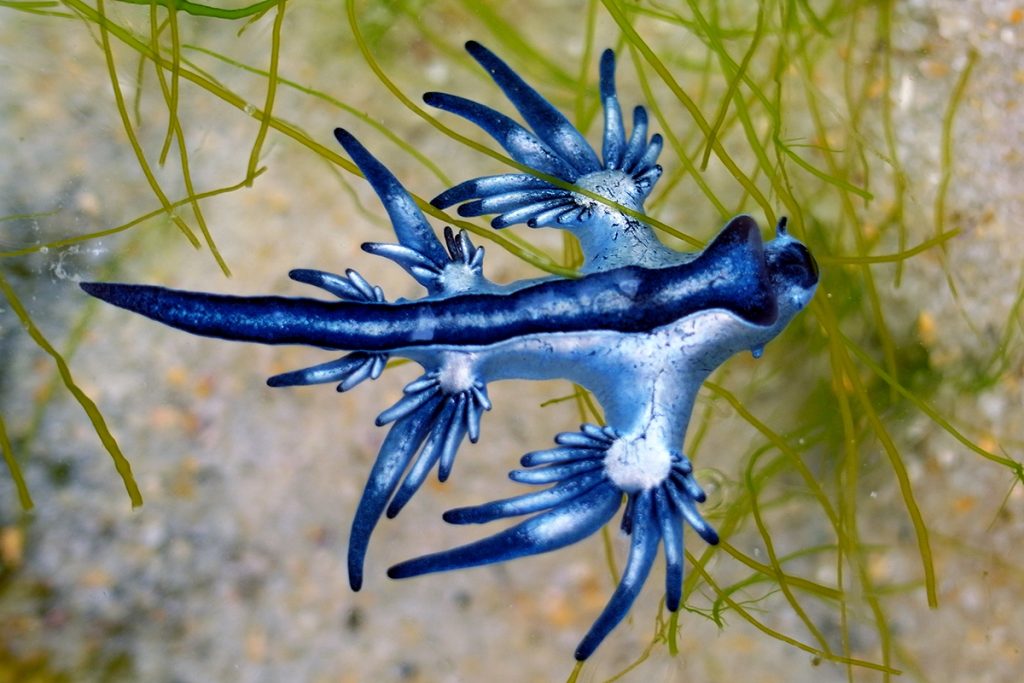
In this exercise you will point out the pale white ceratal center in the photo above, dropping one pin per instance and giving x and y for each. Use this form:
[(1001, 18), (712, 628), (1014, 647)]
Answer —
[(459, 277), (613, 184), (457, 373), (636, 463)]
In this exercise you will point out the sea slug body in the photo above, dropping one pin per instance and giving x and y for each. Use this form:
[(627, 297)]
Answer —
[(641, 329)]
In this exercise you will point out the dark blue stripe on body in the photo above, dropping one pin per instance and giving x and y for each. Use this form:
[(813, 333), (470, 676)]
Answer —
[(730, 274)]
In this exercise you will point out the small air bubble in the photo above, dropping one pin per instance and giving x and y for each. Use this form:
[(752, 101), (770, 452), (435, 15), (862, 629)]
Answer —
[(249, 109), (873, 494), (44, 250), (716, 486)]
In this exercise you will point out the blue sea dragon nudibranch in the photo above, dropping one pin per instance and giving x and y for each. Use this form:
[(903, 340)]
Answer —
[(641, 329)]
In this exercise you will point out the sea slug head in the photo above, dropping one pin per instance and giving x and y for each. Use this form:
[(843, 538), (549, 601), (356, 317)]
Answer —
[(792, 272)]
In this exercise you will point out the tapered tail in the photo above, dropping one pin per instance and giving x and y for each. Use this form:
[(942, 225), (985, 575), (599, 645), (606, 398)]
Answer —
[(262, 319), (730, 274)]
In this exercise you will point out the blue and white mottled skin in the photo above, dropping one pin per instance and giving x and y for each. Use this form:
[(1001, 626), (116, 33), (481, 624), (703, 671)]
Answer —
[(641, 329)]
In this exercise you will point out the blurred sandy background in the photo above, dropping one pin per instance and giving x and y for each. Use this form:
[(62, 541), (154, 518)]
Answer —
[(233, 570)]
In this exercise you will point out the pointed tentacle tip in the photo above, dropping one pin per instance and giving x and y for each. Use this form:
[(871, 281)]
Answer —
[(608, 63), (780, 228), (111, 292), (433, 98), (346, 139)]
